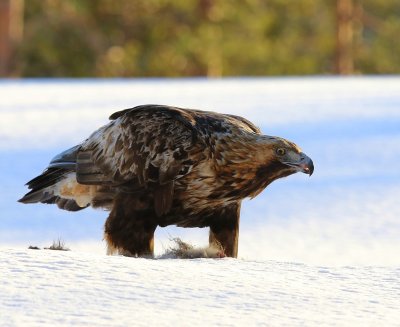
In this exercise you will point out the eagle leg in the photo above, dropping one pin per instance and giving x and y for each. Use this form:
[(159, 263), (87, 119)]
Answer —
[(129, 229), (224, 230)]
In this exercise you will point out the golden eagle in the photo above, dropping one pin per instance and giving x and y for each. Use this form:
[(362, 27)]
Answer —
[(156, 165)]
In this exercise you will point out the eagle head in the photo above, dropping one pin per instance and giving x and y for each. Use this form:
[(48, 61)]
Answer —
[(291, 157), (276, 158)]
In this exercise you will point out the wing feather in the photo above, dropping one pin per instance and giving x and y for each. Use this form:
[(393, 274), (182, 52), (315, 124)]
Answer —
[(147, 145)]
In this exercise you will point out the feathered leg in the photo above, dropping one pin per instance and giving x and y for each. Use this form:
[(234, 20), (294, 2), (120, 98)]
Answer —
[(129, 229), (224, 230)]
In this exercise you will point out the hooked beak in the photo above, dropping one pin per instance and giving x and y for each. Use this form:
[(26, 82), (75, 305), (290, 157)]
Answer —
[(305, 165)]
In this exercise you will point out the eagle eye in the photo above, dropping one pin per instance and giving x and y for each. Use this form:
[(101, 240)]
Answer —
[(280, 151)]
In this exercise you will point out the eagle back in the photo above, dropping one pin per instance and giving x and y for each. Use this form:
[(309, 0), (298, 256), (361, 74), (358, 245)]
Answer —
[(146, 144)]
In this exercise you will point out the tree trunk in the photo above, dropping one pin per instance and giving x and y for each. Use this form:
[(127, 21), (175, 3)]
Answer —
[(11, 29), (344, 37)]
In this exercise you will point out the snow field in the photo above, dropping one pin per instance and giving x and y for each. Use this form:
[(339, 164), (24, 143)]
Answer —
[(43, 288)]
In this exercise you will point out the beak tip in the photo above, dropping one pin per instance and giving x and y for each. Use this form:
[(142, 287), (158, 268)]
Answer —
[(308, 167), (311, 168), (308, 171)]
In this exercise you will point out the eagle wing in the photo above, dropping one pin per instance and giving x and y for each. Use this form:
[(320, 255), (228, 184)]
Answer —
[(146, 146)]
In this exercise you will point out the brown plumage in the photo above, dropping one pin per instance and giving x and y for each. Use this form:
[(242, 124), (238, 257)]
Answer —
[(156, 165)]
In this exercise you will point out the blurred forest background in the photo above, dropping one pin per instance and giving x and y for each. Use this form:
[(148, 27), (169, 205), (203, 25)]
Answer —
[(134, 38)]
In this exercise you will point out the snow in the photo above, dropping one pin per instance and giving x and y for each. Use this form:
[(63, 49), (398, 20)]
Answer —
[(53, 288), (312, 251)]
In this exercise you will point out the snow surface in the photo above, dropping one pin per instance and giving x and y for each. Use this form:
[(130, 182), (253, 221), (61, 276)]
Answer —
[(52, 288), (347, 213)]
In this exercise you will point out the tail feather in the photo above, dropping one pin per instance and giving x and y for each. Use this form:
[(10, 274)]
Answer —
[(40, 186), (49, 177), (46, 195), (43, 188), (35, 196)]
